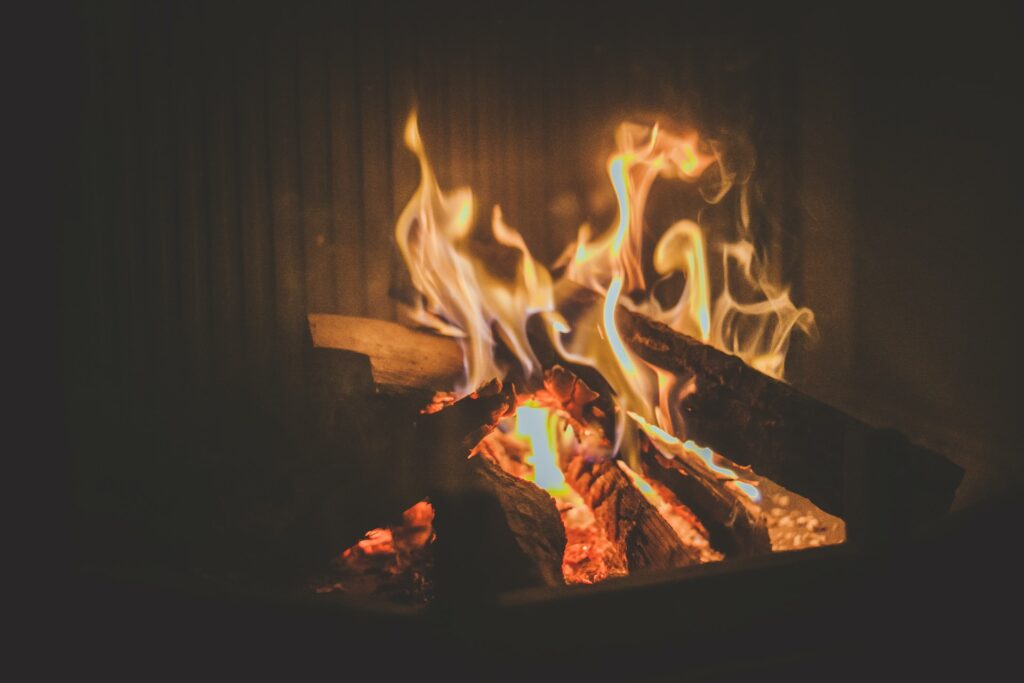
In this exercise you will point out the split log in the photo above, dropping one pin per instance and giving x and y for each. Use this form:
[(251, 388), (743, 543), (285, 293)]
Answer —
[(785, 435), (525, 546), (630, 522), (736, 525), (400, 357)]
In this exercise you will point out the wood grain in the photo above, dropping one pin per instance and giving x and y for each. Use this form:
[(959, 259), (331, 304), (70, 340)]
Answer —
[(399, 356)]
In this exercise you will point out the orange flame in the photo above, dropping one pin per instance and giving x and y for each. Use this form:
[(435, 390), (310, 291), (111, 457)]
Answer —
[(545, 433), (463, 298)]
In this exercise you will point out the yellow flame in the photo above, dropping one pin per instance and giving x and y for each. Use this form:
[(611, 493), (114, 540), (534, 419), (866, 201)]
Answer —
[(681, 249), (545, 433), (673, 447), (460, 295)]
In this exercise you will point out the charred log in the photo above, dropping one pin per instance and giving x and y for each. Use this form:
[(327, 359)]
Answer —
[(783, 434), (644, 537), (736, 526)]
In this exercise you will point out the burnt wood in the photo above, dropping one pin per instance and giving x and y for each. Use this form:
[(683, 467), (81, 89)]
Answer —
[(752, 419), (736, 525), (530, 541), (784, 434), (630, 522)]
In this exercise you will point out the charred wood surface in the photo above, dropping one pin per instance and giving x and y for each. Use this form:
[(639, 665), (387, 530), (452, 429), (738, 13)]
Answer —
[(783, 434), (529, 545), (736, 526), (646, 540)]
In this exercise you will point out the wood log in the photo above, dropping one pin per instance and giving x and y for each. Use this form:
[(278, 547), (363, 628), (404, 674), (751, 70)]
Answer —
[(736, 525), (644, 537), (783, 434), (400, 357), (530, 521)]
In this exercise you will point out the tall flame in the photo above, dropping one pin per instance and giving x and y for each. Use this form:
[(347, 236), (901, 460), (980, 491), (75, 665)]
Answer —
[(544, 432), (462, 297)]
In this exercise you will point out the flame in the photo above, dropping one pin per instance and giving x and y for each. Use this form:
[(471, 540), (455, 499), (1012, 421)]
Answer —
[(529, 444), (673, 447), (460, 296), (546, 434), (752, 316)]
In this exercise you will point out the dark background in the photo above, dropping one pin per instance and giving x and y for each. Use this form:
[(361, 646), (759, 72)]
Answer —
[(218, 170)]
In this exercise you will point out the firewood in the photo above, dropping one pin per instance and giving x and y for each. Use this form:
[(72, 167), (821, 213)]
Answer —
[(400, 357), (736, 525), (532, 523), (750, 418), (644, 537), (784, 434)]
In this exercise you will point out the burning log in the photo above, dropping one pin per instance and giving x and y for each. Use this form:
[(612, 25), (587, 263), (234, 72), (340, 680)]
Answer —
[(736, 526), (735, 529), (644, 537), (753, 419), (495, 532), (783, 434)]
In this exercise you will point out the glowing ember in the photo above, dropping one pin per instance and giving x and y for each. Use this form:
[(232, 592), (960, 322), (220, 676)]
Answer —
[(393, 562), (683, 521), (530, 445)]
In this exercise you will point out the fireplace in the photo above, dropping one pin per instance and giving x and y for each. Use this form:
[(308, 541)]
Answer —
[(256, 432)]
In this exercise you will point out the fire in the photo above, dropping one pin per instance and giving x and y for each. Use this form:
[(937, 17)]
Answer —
[(545, 434), (682, 520), (392, 560), (672, 447), (530, 444), (752, 316), (461, 297)]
